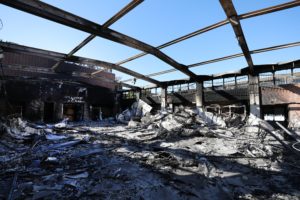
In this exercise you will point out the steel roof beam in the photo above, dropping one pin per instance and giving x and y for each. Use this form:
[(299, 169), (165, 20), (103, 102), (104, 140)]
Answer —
[(180, 39), (52, 13), (241, 72), (271, 9), (232, 16), (108, 23), (273, 48), (219, 24)]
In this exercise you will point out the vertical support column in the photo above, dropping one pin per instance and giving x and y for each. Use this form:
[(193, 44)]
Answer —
[(164, 98), (86, 111), (292, 73), (118, 99), (137, 95), (254, 96), (235, 81), (58, 111), (199, 96)]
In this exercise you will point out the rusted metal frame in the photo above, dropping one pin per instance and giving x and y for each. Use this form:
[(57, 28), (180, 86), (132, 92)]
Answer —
[(9, 47), (283, 46), (52, 13), (219, 24), (108, 23), (232, 15), (241, 72)]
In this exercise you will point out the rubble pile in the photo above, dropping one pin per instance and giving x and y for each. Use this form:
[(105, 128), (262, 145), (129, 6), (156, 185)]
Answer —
[(220, 163), (69, 162), (163, 155), (18, 130), (137, 110), (249, 141), (184, 121)]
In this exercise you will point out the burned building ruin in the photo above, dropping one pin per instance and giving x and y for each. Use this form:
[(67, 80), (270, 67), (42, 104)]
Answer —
[(70, 128)]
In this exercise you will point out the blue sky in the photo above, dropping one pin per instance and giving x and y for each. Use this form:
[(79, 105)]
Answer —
[(156, 22)]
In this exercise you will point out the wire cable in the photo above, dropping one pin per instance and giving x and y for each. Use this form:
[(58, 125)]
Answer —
[(294, 146)]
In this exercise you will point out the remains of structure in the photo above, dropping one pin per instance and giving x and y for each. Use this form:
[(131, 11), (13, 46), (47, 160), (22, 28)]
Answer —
[(69, 129)]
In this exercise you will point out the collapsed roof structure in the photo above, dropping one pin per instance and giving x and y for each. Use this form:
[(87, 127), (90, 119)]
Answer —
[(48, 86)]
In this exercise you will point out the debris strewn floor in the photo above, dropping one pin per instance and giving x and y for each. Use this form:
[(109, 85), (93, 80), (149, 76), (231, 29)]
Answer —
[(165, 156)]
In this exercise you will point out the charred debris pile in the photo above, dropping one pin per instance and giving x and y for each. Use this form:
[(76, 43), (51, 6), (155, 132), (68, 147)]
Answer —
[(185, 154)]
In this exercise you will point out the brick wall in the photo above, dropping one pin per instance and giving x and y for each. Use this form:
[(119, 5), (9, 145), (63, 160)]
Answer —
[(284, 94)]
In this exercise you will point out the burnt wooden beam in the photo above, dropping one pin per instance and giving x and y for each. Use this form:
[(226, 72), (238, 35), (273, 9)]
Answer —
[(219, 24), (52, 13), (10, 47), (108, 23), (232, 16), (262, 50)]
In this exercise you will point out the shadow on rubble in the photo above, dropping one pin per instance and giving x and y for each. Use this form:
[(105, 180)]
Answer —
[(215, 177), (77, 153)]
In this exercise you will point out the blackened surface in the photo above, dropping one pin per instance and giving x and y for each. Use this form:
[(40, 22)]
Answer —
[(29, 96)]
